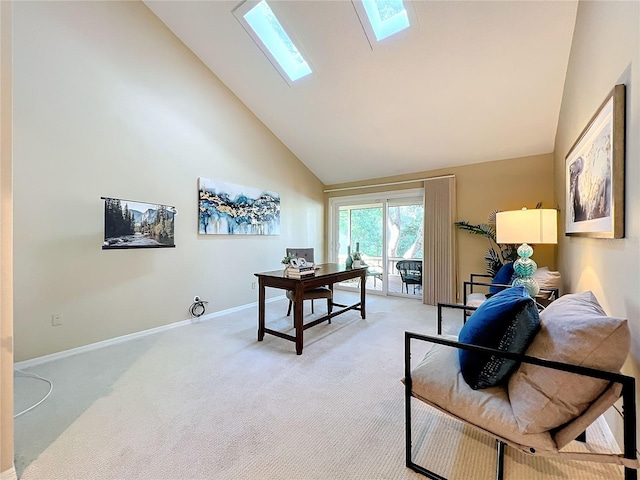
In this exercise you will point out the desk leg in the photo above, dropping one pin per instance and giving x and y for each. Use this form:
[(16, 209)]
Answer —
[(363, 294), (330, 302), (298, 310), (261, 301)]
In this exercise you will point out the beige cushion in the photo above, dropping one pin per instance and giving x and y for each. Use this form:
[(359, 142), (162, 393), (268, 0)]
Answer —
[(437, 381), (570, 432), (574, 329), (476, 299), (547, 279)]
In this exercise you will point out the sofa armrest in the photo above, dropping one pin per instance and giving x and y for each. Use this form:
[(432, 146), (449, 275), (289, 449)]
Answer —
[(455, 306), (546, 294), (566, 367), (473, 276), (468, 287)]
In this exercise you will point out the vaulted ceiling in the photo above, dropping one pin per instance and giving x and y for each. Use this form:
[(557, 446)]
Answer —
[(474, 81)]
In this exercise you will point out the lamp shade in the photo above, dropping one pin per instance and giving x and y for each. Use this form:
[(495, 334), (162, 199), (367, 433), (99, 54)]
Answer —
[(527, 226)]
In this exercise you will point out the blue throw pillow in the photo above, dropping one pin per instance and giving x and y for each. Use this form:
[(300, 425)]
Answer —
[(503, 277), (507, 321)]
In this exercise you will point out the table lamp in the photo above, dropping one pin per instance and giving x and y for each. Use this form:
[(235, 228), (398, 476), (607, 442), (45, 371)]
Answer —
[(527, 226)]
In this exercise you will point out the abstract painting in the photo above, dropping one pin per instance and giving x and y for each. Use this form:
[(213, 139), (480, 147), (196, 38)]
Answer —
[(594, 173), (230, 209), (129, 224)]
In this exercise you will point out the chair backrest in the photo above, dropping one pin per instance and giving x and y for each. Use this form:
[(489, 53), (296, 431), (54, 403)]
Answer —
[(410, 270), (409, 266), (306, 253)]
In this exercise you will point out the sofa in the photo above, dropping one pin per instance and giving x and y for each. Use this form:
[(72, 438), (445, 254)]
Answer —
[(537, 392)]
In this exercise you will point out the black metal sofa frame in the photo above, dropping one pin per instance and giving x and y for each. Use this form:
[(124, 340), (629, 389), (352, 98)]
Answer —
[(628, 408), (547, 294)]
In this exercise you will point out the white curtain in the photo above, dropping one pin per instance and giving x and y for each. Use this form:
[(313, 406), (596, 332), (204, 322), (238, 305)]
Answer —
[(439, 270)]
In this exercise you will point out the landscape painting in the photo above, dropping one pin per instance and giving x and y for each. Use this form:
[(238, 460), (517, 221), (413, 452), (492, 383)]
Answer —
[(230, 209), (129, 224), (595, 174)]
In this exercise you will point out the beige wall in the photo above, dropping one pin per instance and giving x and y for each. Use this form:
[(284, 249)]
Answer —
[(482, 188), (6, 263), (605, 52), (108, 102)]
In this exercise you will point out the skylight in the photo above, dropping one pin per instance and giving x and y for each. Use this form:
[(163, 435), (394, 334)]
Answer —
[(386, 17), (381, 19), (265, 29)]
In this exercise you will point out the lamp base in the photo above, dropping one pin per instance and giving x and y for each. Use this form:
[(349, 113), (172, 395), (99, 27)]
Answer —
[(524, 267), (529, 283)]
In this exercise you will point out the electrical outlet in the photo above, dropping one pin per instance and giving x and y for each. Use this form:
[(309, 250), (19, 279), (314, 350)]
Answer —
[(253, 285), (56, 319)]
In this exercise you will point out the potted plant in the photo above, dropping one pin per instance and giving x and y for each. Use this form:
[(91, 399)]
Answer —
[(286, 260), (497, 253), (357, 259)]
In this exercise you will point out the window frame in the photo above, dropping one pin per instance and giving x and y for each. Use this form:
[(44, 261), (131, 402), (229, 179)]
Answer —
[(245, 7), (369, 31)]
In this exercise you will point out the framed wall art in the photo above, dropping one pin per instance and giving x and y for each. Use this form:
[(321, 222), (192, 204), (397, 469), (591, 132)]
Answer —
[(230, 209), (129, 224), (594, 173)]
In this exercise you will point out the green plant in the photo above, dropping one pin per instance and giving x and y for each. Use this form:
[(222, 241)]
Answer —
[(356, 256), (288, 257), (497, 254)]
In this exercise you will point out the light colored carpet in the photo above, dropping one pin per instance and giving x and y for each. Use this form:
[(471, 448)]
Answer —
[(207, 401)]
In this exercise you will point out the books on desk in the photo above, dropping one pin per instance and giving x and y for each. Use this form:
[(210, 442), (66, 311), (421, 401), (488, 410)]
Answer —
[(300, 272)]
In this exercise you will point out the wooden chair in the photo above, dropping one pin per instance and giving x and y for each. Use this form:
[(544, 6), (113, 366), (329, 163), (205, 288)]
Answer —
[(314, 293)]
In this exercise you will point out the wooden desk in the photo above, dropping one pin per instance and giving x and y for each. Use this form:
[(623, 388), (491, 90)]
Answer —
[(328, 274)]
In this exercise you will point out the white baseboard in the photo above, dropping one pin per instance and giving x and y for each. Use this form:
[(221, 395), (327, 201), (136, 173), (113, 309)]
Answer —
[(607, 433), (9, 474), (124, 338)]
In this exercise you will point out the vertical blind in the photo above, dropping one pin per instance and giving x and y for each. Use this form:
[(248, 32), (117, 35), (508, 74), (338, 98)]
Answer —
[(439, 270)]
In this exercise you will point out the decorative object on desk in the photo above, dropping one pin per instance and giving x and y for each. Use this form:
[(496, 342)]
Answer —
[(285, 261), (527, 226), (129, 224), (357, 259), (497, 254), (298, 268), (305, 256), (287, 258), (230, 209), (594, 173), (296, 273), (349, 262)]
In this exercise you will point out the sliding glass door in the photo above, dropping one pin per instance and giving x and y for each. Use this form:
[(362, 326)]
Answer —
[(361, 230), (385, 231), (404, 245)]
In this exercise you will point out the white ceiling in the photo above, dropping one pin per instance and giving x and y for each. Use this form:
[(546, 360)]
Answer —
[(473, 82)]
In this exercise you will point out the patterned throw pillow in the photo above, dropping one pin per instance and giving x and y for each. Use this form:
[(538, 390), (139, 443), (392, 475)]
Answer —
[(506, 321)]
